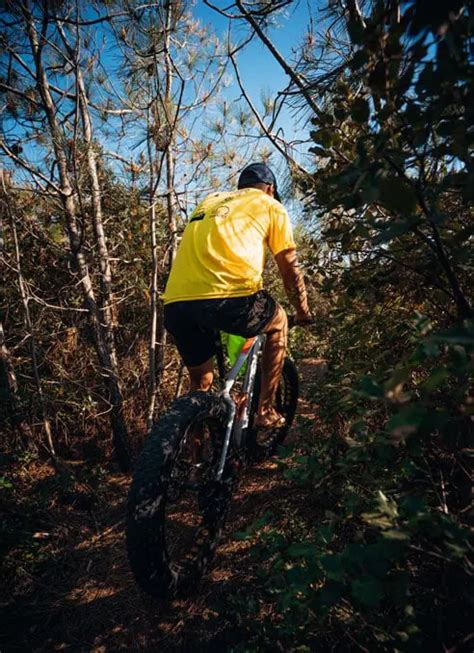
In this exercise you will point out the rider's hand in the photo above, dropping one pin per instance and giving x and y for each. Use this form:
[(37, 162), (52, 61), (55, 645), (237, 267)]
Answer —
[(303, 318)]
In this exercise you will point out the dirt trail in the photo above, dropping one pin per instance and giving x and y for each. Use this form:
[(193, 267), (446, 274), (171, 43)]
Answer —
[(83, 597)]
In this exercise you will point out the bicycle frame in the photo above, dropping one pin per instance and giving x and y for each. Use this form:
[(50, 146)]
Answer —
[(235, 428)]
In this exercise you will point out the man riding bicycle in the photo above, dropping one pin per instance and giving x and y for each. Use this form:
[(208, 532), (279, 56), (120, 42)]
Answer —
[(215, 283)]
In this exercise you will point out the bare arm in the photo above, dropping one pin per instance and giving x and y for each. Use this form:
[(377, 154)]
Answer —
[(294, 284)]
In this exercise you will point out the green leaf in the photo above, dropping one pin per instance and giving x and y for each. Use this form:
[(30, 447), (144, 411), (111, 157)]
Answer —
[(370, 388), (56, 233), (323, 136), (456, 550), (393, 230), (435, 379), (241, 535), (325, 534), (397, 195), (253, 528), (412, 506), (302, 550), (358, 427), (408, 420), (333, 566), (360, 110), (260, 522), (399, 376), (5, 483), (458, 336), (367, 591), (395, 534), (330, 594), (297, 577)]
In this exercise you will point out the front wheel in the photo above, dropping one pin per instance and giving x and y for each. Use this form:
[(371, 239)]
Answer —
[(264, 443), (176, 509)]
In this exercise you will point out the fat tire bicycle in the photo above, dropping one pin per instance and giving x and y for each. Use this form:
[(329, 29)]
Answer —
[(179, 500)]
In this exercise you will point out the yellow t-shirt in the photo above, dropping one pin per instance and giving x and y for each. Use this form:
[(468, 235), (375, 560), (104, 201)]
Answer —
[(222, 251)]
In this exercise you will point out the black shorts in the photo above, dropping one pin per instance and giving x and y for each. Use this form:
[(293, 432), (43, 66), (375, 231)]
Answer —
[(195, 324)]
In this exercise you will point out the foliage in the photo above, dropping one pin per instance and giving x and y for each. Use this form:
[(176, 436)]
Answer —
[(378, 556), (74, 394), (387, 500), (394, 179), (385, 565)]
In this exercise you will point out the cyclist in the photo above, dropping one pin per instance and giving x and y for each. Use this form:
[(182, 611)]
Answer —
[(215, 283)]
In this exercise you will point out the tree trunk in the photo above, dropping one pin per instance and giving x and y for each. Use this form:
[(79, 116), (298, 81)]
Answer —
[(11, 408), (119, 428), (170, 192), (23, 287), (170, 154), (158, 331), (68, 202), (153, 306)]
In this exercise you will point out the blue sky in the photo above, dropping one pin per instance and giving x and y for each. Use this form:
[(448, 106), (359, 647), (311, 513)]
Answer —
[(258, 68), (259, 71)]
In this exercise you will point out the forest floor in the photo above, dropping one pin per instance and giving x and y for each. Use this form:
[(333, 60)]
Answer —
[(71, 588)]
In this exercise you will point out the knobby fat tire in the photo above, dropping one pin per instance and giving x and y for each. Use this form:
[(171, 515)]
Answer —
[(147, 497), (286, 404), (146, 544)]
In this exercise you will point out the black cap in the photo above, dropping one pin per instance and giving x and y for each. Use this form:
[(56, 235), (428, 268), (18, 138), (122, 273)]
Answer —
[(258, 173)]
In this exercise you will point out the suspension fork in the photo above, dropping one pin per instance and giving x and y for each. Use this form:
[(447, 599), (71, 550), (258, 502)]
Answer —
[(247, 390), (249, 351)]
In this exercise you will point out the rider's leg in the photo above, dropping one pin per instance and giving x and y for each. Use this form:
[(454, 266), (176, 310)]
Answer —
[(272, 364), (202, 375)]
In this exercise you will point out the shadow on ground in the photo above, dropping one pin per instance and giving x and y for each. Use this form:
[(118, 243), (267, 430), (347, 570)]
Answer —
[(78, 594)]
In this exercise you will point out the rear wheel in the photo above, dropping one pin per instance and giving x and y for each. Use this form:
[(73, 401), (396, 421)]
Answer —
[(264, 442), (176, 509)]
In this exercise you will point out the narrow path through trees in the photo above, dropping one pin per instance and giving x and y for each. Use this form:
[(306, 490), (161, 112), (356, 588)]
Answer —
[(82, 596)]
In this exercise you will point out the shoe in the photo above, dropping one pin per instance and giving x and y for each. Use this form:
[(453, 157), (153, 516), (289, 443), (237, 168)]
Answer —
[(275, 422)]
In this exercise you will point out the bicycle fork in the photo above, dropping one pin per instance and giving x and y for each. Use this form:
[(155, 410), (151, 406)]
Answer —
[(250, 351)]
